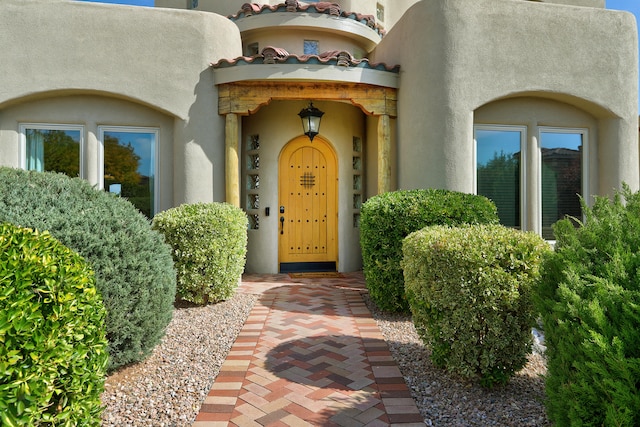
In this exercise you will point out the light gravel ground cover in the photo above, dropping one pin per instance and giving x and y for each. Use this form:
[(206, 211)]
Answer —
[(168, 388)]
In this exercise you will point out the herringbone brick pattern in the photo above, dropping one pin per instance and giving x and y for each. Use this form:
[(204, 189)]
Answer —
[(309, 354)]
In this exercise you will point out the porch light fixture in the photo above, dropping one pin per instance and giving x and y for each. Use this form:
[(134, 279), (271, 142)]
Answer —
[(310, 117)]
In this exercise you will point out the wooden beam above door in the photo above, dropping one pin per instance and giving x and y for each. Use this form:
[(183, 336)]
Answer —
[(247, 97)]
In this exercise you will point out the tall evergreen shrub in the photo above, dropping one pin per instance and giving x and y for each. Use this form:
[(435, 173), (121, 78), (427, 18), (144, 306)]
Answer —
[(133, 266), (209, 242), (590, 305), (388, 218)]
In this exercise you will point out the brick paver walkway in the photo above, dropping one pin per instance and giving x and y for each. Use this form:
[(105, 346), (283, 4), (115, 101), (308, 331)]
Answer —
[(309, 354)]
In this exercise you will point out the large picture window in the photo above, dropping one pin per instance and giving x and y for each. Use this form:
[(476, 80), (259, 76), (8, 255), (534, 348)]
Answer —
[(129, 164), (498, 169), (535, 177), (52, 148)]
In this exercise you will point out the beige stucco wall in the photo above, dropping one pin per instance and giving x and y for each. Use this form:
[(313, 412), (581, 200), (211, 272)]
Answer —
[(394, 9), (277, 124), (157, 58), (473, 53)]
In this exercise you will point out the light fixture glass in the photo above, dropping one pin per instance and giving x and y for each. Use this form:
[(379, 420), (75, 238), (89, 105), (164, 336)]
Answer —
[(310, 117)]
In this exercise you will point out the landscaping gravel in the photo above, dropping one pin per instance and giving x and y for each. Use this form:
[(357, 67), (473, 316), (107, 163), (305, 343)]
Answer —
[(168, 388)]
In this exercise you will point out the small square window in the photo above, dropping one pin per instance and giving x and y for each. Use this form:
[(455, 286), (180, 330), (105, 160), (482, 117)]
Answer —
[(252, 49), (311, 47), (380, 12)]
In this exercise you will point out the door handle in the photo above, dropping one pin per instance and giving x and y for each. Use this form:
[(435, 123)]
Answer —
[(281, 225)]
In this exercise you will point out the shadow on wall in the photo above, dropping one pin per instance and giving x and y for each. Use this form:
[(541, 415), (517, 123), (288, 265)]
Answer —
[(199, 141)]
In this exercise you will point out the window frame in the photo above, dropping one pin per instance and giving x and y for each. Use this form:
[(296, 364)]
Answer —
[(584, 163), (131, 129), (22, 150), (523, 163)]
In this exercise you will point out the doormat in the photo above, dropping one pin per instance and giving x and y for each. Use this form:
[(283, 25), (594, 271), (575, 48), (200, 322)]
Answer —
[(316, 275)]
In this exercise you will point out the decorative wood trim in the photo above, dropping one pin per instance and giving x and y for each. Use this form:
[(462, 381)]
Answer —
[(246, 98)]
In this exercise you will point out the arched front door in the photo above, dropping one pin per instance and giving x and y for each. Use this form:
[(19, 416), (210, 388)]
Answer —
[(308, 214)]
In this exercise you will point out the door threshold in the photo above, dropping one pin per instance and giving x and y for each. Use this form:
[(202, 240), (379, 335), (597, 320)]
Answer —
[(308, 267)]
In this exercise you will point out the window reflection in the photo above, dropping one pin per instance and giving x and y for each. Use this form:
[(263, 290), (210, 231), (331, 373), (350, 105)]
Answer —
[(129, 166), (561, 154), (498, 162), (53, 150)]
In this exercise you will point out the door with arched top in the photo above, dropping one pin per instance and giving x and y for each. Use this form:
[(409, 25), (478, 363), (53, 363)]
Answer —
[(308, 215)]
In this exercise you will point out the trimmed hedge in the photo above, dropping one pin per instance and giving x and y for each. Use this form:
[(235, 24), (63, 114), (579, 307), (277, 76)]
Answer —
[(590, 305), (209, 242), (471, 295), (53, 350), (133, 266), (388, 218)]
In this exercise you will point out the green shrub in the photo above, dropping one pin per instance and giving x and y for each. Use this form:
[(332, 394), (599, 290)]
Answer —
[(470, 290), (590, 305), (53, 351), (388, 218), (133, 266), (209, 242)]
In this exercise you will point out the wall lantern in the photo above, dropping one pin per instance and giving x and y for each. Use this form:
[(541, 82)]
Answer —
[(310, 117)]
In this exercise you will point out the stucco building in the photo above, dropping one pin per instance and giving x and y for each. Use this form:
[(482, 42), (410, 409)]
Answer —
[(527, 102)]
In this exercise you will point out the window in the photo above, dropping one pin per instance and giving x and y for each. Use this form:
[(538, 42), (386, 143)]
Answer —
[(498, 169), (252, 178), (554, 174), (129, 164), (311, 47), (52, 148), (380, 12), (253, 49), (358, 190), (561, 169)]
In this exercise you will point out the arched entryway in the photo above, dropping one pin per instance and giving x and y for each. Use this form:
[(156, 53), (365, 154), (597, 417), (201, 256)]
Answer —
[(308, 206)]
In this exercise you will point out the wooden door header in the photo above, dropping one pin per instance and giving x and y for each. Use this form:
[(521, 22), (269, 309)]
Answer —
[(245, 98)]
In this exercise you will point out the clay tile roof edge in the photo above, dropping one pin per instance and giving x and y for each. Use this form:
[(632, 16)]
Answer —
[(281, 56), (249, 9)]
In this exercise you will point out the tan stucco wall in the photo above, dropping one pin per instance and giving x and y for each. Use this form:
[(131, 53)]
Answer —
[(473, 53), (277, 124), (158, 58), (393, 8)]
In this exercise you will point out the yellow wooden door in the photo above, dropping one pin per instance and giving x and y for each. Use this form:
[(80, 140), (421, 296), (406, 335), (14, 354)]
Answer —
[(308, 194)]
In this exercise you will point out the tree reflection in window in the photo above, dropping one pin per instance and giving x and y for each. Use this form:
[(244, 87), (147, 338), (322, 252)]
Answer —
[(53, 150), (129, 167)]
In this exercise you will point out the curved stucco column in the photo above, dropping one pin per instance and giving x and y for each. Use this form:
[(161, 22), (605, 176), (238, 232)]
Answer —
[(618, 163)]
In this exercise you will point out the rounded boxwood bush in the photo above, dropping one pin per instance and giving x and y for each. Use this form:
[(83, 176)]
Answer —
[(470, 289), (209, 242), (53, 351), (133, 266), (386, 219), (589, 300)]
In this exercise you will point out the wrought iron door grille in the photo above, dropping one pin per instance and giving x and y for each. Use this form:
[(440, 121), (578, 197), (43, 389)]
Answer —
[(308, 180)]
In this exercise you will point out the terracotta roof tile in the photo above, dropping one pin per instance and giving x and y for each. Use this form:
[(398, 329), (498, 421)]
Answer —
[(275, 55), (249, 9)]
